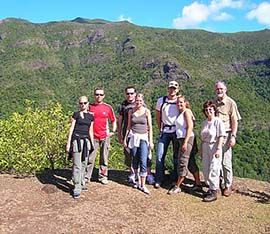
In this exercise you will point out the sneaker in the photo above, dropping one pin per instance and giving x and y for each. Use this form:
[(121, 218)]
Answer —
[(137, 185), (211, 196), (145, 190), (174, 190), (197, 188), (76, 195), (104, 181), (131, 179), (150, 179), (157, 185)]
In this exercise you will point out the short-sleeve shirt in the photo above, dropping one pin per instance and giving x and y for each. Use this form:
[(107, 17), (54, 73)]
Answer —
[(102, 114), (123, 110), (227, 111), (212, 130), (82, 125), (169, 113)]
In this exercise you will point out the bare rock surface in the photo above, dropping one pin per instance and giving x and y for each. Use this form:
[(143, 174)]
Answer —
[(43, 204)]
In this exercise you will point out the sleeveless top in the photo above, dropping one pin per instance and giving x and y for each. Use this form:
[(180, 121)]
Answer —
[(139, 123), (181, 125)]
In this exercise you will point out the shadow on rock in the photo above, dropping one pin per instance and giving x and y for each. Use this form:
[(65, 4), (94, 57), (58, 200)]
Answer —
[(59, 178), (261, 197)]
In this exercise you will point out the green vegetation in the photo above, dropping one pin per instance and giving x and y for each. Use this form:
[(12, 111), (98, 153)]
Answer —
[(60, 61)]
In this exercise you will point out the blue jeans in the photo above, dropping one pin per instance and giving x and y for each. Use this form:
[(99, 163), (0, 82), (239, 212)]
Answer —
[(139, 156), (163, 144)]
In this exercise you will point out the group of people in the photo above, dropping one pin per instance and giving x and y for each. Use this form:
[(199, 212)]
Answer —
[(89, 132)]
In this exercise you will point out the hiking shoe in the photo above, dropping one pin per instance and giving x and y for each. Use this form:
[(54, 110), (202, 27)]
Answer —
[(76, 195), (197, 188), (174, 190), (104, 181), (211, 196), (157, 185), (145, 190), (150, 179)]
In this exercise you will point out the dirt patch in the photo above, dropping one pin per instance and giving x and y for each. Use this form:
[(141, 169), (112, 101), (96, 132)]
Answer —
[(43, 204)]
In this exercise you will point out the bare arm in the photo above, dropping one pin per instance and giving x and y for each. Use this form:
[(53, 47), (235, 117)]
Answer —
[(128, 128), (189, 122), (234, 127), (91, 132), (219, 147), (73, 122), (150, 128)]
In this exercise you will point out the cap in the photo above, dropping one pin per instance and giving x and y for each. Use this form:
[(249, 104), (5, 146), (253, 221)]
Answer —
[(173, 84)]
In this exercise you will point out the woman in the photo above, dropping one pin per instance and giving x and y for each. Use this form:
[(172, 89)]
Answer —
[(185, 138), (79, 143), (140, 134), (212, 136)]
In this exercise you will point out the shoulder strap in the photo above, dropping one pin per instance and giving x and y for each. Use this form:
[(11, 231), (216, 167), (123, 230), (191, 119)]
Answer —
[(163, 102)]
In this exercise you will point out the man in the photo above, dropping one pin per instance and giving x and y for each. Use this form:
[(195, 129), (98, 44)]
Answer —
[(166, 114), (122, 120), (102, 113), (227, 111)]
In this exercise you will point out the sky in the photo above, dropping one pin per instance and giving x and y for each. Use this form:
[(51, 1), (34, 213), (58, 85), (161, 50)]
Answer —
[(211, 15)]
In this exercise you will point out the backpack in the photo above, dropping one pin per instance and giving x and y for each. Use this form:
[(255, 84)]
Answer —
[(163, 103)]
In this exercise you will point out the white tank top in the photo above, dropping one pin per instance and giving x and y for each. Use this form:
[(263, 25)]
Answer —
[(181, 125)]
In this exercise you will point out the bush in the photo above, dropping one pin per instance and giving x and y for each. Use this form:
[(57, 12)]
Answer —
[(34, 140)]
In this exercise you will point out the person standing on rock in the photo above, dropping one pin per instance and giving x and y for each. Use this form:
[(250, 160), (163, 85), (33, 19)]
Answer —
[(212, 136), (79, 144), (103, 113), (166, 114), (228, 112), (122, 121), (140, 135)]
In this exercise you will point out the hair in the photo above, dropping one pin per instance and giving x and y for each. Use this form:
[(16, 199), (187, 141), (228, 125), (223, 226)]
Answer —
[(130, 87), (83, 97), (139, 95), (221, 82), (207, 104), (99, 88), (185, 100)]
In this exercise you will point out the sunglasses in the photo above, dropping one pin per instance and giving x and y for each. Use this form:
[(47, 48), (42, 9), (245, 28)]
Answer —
[(129, 93), (99, 94), (83, 103)]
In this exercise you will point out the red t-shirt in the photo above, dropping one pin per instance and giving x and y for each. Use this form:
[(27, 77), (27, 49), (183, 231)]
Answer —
[(102, 113)]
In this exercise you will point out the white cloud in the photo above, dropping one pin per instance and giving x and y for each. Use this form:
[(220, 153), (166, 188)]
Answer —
[(123, 18), (196, 13), (192, 15), (223, 16), (261, 13)]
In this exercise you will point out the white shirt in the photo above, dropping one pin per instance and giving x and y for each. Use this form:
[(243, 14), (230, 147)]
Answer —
[(212, 130), (181, 125), (168, 113)]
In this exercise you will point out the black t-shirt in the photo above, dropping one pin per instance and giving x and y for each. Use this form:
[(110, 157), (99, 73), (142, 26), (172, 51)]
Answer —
[(123, 111), (82, 124)]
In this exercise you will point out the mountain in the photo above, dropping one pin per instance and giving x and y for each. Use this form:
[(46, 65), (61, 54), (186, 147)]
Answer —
[(61, 61)]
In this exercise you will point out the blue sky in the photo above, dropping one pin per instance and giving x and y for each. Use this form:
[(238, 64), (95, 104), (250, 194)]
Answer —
[(211, 15)]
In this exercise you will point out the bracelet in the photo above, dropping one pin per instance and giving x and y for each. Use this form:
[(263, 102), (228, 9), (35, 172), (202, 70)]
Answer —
[(233, 136)]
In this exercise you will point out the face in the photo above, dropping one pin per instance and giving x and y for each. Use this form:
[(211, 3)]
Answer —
[(83, 102), (139, 101), (172, 91), (220, 90), (99, 95), (209, 111), (181, 103), (130, 95)]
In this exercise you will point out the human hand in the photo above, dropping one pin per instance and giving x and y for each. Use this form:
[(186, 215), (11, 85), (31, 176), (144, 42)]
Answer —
[(151, 145), (184, 147), (232, 141), (67, 147)]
